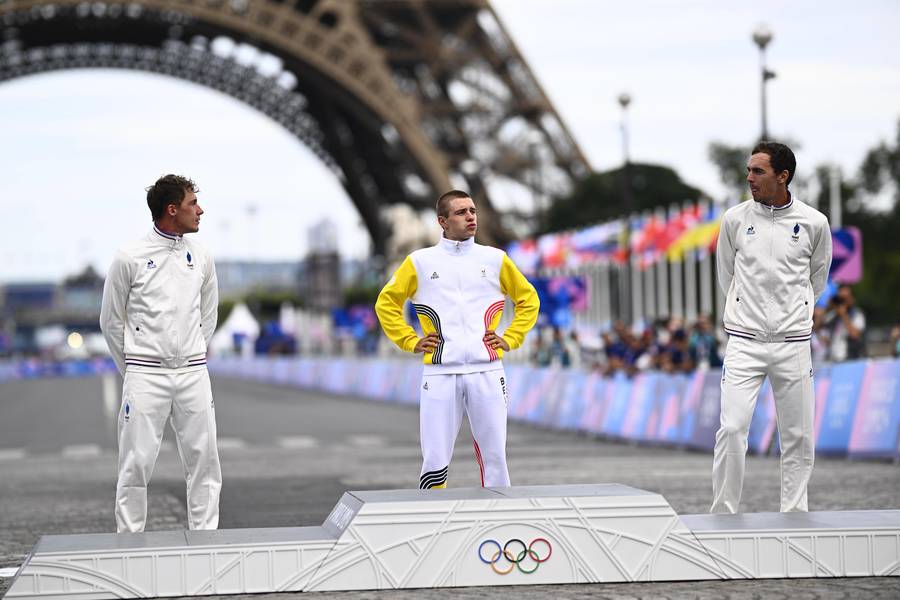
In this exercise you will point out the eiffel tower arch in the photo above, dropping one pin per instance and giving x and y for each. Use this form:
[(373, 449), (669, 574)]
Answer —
[(400, 99)]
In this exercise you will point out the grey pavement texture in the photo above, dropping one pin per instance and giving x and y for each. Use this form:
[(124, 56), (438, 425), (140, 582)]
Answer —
[(354, 444)]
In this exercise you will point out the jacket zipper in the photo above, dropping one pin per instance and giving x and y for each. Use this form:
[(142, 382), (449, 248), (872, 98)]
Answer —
[(771, 269)]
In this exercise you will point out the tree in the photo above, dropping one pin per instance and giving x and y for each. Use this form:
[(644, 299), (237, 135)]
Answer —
[(618, 192), (879, 289), (731, 161)]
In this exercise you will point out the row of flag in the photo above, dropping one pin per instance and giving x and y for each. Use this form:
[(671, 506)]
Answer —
[(649, 238)]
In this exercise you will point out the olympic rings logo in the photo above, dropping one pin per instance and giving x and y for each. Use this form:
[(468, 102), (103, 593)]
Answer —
[(515, 556)]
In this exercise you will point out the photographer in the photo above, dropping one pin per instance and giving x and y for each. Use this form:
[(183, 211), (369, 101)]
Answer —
[(846, 324)]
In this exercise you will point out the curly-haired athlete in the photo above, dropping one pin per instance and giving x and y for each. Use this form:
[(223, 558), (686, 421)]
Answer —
[(458, 289)]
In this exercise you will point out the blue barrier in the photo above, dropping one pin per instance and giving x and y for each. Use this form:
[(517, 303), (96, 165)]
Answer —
[(39, 368), (857, 403)]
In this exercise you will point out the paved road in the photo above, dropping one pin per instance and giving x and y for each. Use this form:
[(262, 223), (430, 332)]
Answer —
[(287, 456)]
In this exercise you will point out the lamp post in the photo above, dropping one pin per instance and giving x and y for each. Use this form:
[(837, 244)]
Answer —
[(762, 36), (624, 101)]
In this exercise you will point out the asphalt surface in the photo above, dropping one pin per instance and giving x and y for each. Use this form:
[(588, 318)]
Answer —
[(288, 455)]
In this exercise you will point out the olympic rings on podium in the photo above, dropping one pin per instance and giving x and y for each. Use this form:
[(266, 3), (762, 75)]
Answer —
[(515, 559)]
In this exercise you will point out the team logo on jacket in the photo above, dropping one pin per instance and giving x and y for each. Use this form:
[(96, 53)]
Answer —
[(190, 264), (127, 412), (483, 272), (751, 231), (435, 275), (796, 236), (151, 264), (425, 387)]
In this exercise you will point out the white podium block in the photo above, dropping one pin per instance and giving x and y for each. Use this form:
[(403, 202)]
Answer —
[(816, 544), (467, 537)]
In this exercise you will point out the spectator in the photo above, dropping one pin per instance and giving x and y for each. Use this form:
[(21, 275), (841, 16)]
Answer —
[(676, 358), (616, 347), (846, 325), (895, 340), (576, 352), (703, 345), (634, 351), (559, 351), (541, 354)]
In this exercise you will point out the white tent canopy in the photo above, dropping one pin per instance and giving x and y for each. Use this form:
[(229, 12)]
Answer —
[(242, 322)]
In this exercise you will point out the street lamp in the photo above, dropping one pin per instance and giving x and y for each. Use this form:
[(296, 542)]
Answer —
[(624, 101), (762, 36)]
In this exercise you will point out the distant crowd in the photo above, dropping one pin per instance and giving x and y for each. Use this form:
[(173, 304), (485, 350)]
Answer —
[(674, 346), (669, 346)]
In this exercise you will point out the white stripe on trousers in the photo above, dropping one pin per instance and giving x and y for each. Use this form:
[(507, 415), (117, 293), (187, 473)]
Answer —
[(789, 368), (482, 396), (149, 400)]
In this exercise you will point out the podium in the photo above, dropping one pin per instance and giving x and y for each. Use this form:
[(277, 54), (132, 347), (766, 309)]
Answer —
[(467, 537)]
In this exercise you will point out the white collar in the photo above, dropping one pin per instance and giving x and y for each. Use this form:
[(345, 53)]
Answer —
[(456, 247)]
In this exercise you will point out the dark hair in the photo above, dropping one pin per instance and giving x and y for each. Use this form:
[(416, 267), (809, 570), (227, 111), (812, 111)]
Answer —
[(780, 156), (442, 204), (168, 189)]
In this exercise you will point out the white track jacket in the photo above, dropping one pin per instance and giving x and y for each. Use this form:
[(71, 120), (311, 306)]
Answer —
[(160, 304), (458, 291), (772, 265)]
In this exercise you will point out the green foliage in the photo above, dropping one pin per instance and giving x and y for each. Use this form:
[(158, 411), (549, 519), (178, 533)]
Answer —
[(879, 289), (612, 194), (361, 294), (225, 308), (731, 161)]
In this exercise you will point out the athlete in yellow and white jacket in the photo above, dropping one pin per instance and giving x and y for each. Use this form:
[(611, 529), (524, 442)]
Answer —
[(458, 289)]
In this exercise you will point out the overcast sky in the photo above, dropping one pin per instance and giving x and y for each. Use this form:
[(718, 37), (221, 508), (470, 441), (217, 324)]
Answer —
[(77, 148)]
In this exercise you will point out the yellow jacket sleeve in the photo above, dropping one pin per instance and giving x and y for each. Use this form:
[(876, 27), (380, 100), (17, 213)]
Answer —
[(389, 306), (525, 299)]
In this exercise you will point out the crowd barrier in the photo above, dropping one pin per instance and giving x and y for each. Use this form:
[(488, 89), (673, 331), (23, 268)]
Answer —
[(35, 368), (857, 403)]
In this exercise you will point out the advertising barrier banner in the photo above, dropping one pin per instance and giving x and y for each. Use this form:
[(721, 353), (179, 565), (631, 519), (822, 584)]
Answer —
[(876, 427), (857, 403), (840, 407)]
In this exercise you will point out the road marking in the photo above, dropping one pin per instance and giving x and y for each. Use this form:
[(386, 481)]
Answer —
[(227, 443), (366, 441), (298, 442), (12, 453), (81, 450), (10, 572)]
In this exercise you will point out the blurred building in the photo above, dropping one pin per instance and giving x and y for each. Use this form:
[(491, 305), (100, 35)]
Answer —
[(238, 278), (33, 315), (322, 278)]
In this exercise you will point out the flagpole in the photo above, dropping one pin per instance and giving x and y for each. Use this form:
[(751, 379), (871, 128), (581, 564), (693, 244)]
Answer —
[(662, 270), (676, 266)]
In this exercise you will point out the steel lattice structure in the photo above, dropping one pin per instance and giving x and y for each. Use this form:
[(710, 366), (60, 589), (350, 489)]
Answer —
[(398, 98)]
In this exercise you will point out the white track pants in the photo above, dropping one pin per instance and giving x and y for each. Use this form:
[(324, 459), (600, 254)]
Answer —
[(443, 399), (148, 401), (789, 367)]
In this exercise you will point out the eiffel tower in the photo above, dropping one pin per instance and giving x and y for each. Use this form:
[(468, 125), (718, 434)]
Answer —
[(400, 99)]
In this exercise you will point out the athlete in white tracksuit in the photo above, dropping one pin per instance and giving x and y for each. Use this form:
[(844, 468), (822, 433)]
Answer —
[(458, 289), (160, 305), (773, 257)]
